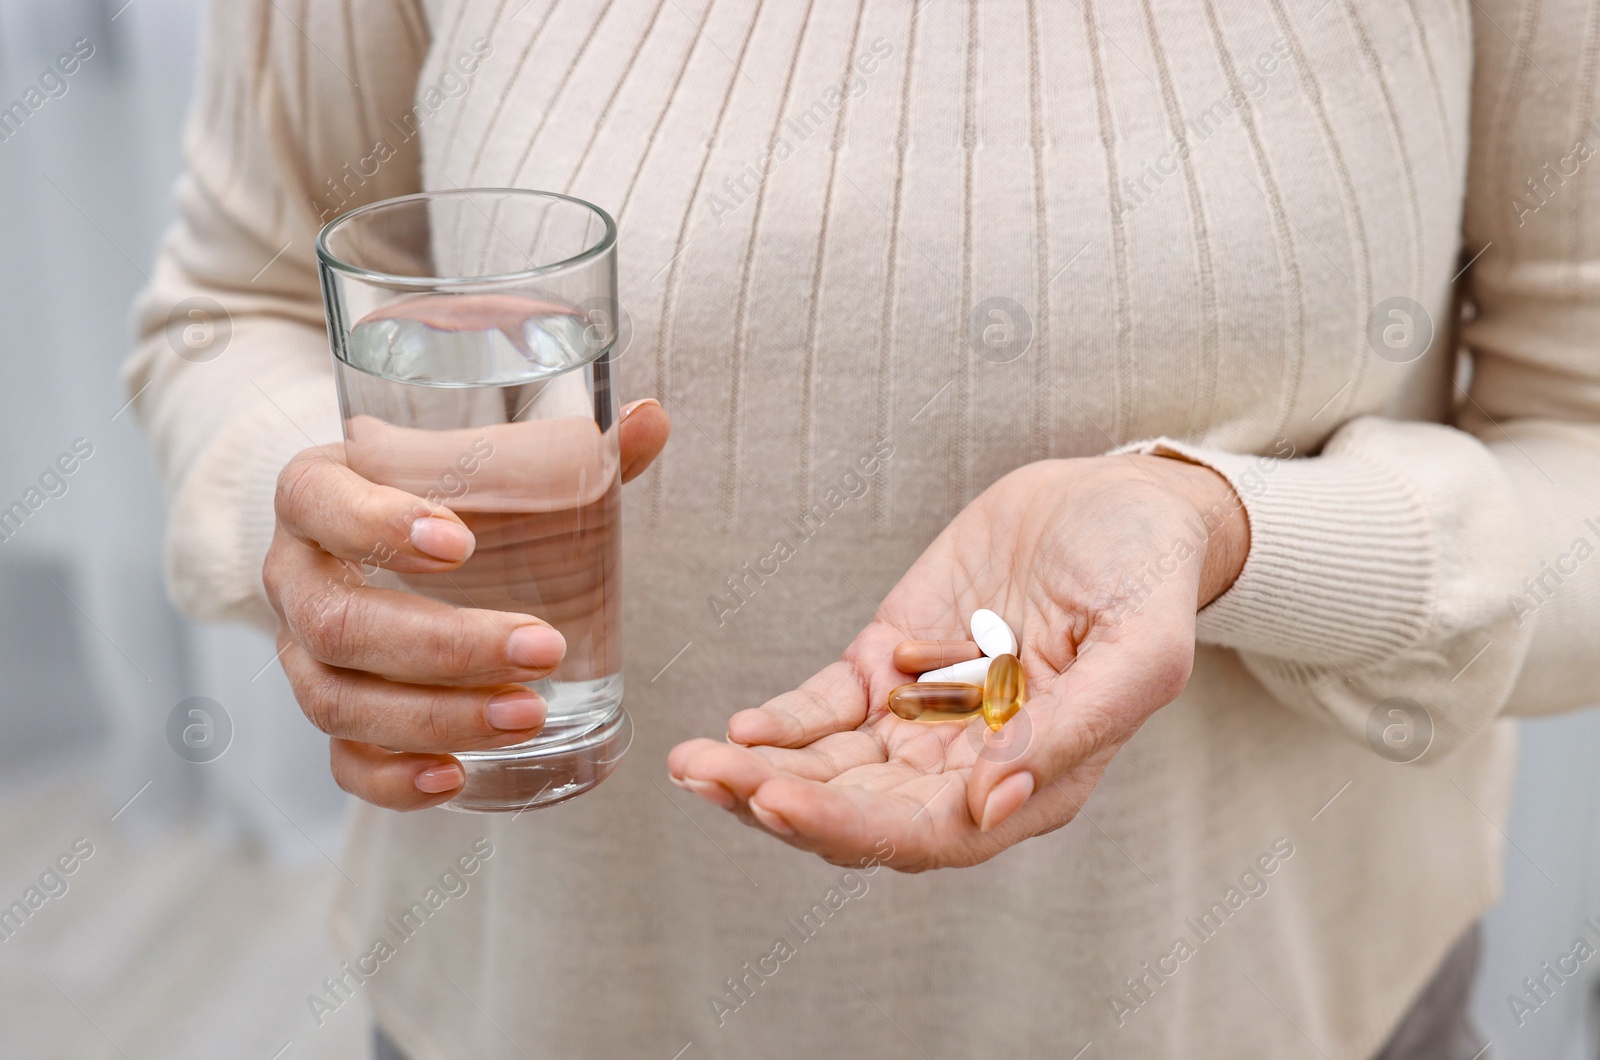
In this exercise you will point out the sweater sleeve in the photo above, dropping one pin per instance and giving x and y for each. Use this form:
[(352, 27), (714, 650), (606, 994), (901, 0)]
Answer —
[(1454, 565), (297, 116)]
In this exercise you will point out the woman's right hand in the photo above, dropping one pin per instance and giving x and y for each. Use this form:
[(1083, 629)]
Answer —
[(397, 679)]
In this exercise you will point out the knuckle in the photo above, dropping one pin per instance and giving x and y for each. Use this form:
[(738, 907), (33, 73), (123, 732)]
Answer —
[(455, 643), (272, 573), (1096, 728), (1170, 678), (375, 511), (325, 621), (279, 569), (439, 720), (297, 483), (918, 862), (343, 768), (325, 701)]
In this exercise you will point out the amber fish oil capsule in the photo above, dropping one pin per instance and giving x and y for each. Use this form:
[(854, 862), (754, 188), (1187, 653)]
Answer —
[(935, 701), (1005, 690)]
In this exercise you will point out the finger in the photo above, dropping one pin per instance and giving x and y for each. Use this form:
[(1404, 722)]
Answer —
[(357, 706), (872, 809), (833, 700), (836, 699), (720, 773), (740, 770), (1119, 677), (730, 776), (645, 427), (913, 827), (680, 757), (400, 635), (394, 780), (323, 502), (832, 821), (829, 757)]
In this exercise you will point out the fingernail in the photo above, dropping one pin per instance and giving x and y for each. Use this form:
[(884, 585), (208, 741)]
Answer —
[(634, 406), (535, 646), (1006, 799), (513, 711), (439, 779), (441, 539), (709, 790), (771, 821)]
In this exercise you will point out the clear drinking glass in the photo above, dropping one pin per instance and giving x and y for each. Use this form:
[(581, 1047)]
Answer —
[(472, 333)]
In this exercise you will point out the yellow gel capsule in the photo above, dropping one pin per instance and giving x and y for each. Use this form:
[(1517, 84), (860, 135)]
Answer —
[(1005, 689), (935, 701)]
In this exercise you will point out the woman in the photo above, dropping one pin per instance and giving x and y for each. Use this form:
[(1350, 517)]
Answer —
[(903, 273)]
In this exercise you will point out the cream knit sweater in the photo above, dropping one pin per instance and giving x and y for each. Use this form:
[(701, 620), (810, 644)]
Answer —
[(1203, 210)]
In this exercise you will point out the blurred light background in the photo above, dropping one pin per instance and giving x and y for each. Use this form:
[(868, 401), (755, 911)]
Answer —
[(195, 928)]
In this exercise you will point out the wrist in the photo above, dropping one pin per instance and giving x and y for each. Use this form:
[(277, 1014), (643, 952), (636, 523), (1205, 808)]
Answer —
[(1222, 520)]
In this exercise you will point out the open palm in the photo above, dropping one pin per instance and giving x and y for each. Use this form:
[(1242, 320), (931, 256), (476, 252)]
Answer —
[(1098, 565)]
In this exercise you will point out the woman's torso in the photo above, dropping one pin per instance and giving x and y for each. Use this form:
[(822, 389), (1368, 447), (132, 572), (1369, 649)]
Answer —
[(957, 237)]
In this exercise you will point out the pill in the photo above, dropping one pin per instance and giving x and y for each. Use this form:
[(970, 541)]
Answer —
[(930, 701), (920, 656), (994, 637), (1005, 690), (970, 672)]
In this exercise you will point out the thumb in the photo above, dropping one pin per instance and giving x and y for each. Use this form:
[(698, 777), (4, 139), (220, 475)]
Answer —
[(1119, 677), (645, 428)]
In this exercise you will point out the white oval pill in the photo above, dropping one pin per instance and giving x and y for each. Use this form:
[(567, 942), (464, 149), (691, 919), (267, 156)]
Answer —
[(971, 672), (994, 637)]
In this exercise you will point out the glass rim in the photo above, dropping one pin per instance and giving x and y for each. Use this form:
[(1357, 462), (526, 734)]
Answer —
[(329, 259)]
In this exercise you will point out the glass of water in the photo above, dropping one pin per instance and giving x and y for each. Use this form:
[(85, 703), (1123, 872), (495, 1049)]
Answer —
[(472, 334)]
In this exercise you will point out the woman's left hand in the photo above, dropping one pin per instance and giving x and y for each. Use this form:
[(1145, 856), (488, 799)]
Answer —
[(1099, 565)]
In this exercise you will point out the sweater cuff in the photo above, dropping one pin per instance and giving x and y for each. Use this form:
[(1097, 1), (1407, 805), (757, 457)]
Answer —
[(223, 516), (1341, 562)]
